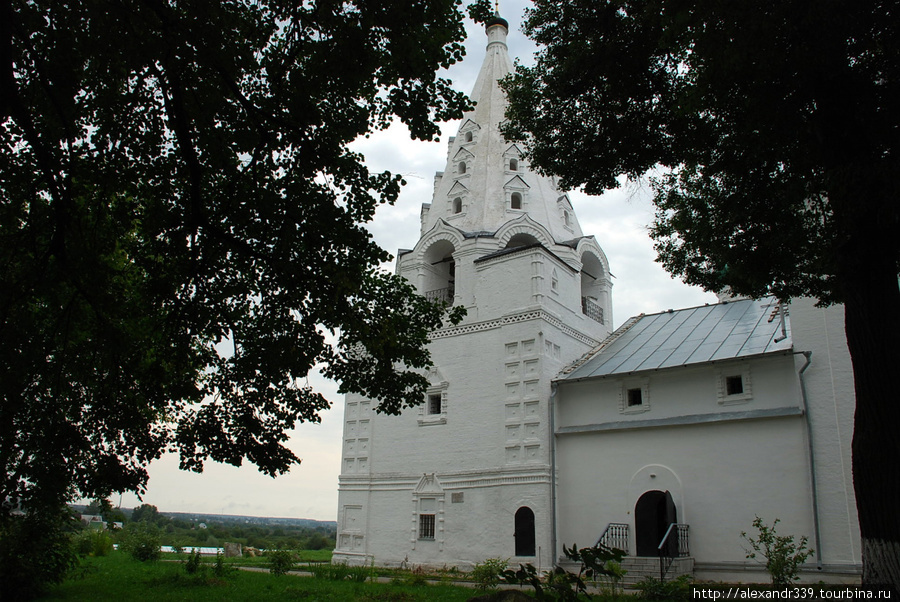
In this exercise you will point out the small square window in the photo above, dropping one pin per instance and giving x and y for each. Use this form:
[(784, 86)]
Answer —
[(734, 385), (635, 398), (434, 403), (426, 526)]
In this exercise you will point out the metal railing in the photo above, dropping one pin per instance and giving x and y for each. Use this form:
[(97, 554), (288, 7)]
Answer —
[(441, 295), (615, 536), (675, 544), (592, 310)]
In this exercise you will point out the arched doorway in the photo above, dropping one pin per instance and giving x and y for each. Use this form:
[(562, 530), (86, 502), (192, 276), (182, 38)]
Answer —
[(653, 513), (524, 532)]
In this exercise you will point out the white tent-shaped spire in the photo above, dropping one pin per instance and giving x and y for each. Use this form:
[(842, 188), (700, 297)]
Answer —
[(486, 182)]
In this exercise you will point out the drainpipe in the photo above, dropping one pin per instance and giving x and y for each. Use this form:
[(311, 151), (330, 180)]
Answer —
[(812, 456), (552, 409)]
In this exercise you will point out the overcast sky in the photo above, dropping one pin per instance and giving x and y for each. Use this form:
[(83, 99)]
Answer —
[(618, 219)]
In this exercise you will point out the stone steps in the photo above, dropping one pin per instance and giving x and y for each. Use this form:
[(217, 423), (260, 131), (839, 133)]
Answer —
[(638, 568)]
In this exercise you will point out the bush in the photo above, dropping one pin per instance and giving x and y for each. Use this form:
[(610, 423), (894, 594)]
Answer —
[(330, 572), (94, 542), (783, 556), (487, 574), (654, 589), (36, 551), (220, 569), (142, 542), (101, 543), (280, 561), (192, 564)]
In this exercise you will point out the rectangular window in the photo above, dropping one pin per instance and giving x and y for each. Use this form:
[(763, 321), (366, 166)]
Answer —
[(426, 526), (634, 398), (734, 385), (434, 403)]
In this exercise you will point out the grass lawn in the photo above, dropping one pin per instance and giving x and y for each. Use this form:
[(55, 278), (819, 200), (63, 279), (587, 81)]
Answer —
[(120, 578)]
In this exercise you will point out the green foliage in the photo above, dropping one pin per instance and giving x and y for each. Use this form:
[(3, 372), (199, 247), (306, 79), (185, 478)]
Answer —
[(783, 556), (487, 574), (96, 542), (560, 584), (674, 589), (168, 192), (119, 577), (141, 541), (192, 564), (332, 572), (280, 561), (146, 513), (359, 573), (732, 100), (610, 582), (36, 551), (220, 569)]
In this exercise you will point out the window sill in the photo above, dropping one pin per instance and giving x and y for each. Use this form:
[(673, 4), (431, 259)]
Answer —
[(432, 419)]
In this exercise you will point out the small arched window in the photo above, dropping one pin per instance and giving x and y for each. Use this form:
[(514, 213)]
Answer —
[(515, 201), (462, 167), (568, 218), (468, 136), (457, 205), (513, 165)]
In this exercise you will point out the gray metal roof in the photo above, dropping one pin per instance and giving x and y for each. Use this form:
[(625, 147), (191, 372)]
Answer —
[(683, 337)]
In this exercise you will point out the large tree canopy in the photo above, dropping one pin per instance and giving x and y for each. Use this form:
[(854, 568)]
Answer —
[(776, 127), (175, 177)]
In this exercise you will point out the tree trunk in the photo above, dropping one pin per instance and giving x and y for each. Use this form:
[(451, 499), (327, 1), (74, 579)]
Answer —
[(872, 322)]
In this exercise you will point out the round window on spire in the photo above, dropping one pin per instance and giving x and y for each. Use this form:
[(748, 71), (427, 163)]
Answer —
[(515, 201)]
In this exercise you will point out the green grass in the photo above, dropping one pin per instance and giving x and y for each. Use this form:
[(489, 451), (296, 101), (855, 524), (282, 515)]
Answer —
[(118, 577), (304, 556)]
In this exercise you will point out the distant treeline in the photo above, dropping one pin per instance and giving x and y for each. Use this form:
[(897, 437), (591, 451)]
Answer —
[(213, 530)]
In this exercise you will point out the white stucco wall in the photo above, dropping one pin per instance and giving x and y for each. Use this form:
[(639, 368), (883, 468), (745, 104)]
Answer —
[(831, 404)]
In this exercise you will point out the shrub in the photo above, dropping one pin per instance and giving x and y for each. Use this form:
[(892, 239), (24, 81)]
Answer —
[(487, 574), (142, 542), (654, 589), (220, 569), (280, 561), (192, 564), (783, 556), (331, 572), (36, 551), (94, 542), (562, 584), (101, 543)]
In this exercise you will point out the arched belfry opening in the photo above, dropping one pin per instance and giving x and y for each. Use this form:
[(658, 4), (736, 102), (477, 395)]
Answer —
[(654, 512), (521, 240), (593, 292), (440, 272), (524, 534)]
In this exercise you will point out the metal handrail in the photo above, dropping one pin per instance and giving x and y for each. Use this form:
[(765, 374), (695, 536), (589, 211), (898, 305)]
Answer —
[(615, 535), (441, 295), (682, 545)]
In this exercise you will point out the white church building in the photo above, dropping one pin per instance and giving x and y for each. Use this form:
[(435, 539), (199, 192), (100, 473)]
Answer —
[(542, 426)]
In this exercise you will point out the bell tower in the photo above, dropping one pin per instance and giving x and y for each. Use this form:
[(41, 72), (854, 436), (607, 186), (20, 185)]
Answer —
[(467, 475)]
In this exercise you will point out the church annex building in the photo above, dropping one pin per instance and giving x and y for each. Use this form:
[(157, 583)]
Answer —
[(543, 427)]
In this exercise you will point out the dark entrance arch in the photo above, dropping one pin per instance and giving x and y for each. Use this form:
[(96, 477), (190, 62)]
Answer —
[(653, 513), (524, 532)]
